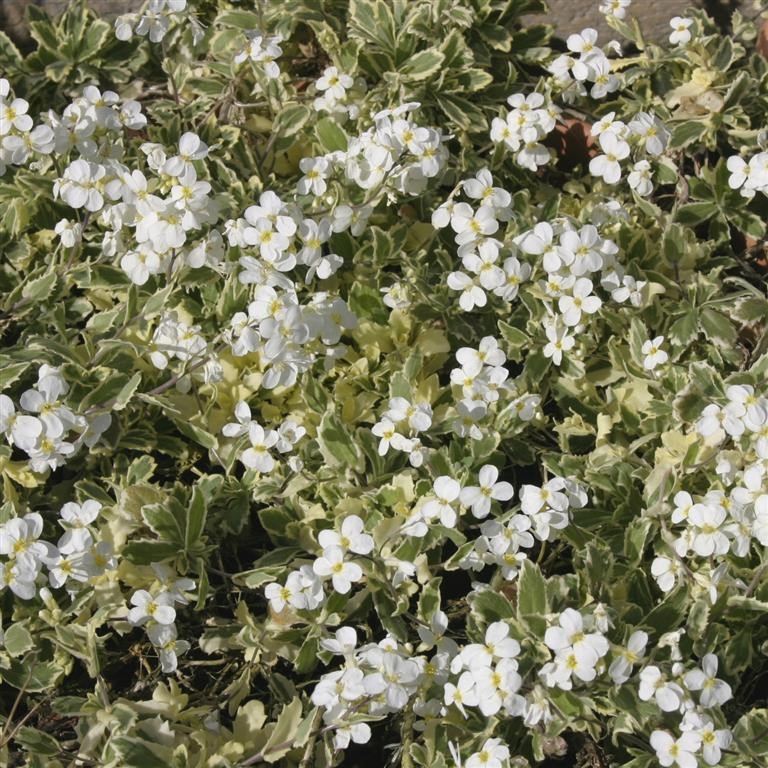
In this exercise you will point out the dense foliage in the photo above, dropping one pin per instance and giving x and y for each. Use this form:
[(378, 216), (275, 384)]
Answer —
[(382, 382)]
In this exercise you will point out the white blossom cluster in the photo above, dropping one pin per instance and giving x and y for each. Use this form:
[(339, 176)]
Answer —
[(155, 20), (384, 677), (481, 388), (44, 427), (734, 513), (78, 557), (544, 510), (261, 441), (376, 679), (20, 139), (304, 588), (585, 63), (81, 556), (401, 416), (338, 93), (698, 733), (155, 611), (524, 127), (396, 152), (649, 136), (262, 50), (161, 211)]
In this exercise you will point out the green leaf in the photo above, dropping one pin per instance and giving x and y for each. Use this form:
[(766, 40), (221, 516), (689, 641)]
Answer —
[(280, 741), (635, 539), (137, 753), (463, 113), (39, 289), (290, 119), (126, 392), (331, 135), (685, 329), (18, 640), (96, 36), (32, 678), (532, 603), (725, 54), (492, 606), (9, 54), (146, 551), (196, 516), (686, 133), (10, 373), (337, 445), (36, 742), (691, 214), (195, 433), (717, 327), (751, 733), (517, 341), (245, 20), (165, 520), (422, 65)]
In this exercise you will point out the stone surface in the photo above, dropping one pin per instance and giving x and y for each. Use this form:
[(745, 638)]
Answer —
[(570, 16), (567, 15)]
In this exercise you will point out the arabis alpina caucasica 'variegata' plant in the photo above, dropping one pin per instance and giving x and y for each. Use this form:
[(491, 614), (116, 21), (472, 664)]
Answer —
[(383, 382)]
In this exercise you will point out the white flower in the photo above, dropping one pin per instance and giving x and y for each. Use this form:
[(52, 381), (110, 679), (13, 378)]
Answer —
[(257, 455), (334, 83), (708, 538), (492, 754), (607, 165), (654, 685), (464, 693), (714, 692), (654, 355), (666, 571), (75, 518), (148, 608), (164, 638), (621, 667), (580, 301), (740, 171), (315, 170), (447, 491), (681, 33), (570, 634), (651, 132), (472, 294), (640, 178), (418, 416), (343, 574), (616, 8), (559, 341), (344, 642), (20, 429), (712, 741), (141, 263), (352, 537), (488, 353), (478, 498), (681, 751), (387, 433), (19, 540)]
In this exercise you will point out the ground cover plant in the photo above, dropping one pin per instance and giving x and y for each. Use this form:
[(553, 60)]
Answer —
[(382, 383)]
